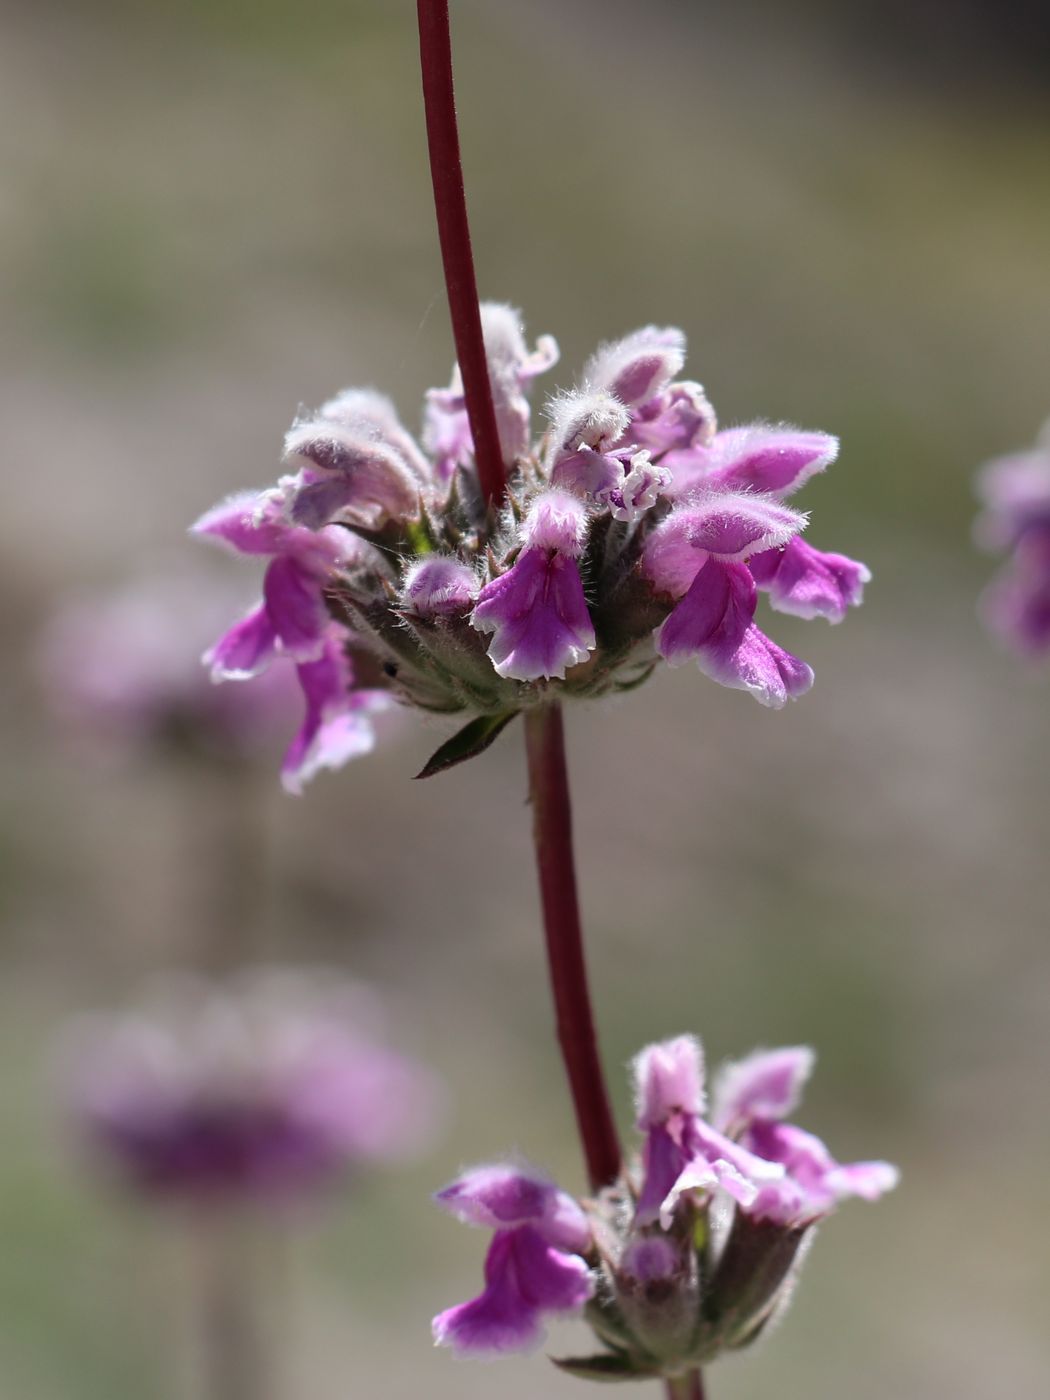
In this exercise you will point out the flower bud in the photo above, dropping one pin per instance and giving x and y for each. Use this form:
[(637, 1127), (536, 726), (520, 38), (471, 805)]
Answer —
[(658, 1290)]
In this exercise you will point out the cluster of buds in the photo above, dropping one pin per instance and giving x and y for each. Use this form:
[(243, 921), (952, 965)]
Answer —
[(631, 531), (263, 1090), (1015, 491), (691, 1253)]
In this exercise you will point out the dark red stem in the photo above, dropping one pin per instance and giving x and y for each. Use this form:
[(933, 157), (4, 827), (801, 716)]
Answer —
[(446, 170), (552, 830)]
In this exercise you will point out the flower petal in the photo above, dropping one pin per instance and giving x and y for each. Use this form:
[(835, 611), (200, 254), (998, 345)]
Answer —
[(807, 582), (668, 1079), (296, 608), (438, 586), (678, 421), (248, 522), (868, 1180), (524, 1278), (346, 471), (763, 458), (767, 1084), (335, 727), (500, 1319), (712, 625), (730, 526), (538, 616), (244, 650), (638, 366)]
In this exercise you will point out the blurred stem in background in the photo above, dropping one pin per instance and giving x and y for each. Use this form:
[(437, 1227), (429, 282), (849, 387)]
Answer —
[(233, 1318), (689, 1387)]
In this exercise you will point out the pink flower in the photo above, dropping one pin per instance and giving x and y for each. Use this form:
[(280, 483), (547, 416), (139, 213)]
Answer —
[(537, 610), (263, 1090), (293, 622), (121, 672), (752, 1099), (534, 1267), (631, 530), (697, 555), (1015, 492), (690, 1253)]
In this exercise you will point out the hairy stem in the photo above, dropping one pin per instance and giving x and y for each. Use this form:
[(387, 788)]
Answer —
[(552, 830), (450, 203), (690, 1387)]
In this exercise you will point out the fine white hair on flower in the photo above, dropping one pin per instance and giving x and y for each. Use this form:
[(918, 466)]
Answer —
[(503, 330), (585, 418), (638, 366)]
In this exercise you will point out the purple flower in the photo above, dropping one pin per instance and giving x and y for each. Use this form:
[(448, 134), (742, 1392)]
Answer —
[(638, 368), (438, 586), (809, 583), (534, 1266), (695, 555), (353, 462), (512, 368), (292, 618), (266, 1090), (630, 531), (681, 1152), (1015, 492), (752, 1099), (293, 621), (336, 725), (121, 673), (686, 1256), (537, 610)]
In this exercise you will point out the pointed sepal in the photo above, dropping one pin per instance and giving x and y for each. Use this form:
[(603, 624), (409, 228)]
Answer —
[(606, 1366), (474, 738)]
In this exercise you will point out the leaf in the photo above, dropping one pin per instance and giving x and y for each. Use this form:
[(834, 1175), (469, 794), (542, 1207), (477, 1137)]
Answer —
[(607, 1366), (472, 739)]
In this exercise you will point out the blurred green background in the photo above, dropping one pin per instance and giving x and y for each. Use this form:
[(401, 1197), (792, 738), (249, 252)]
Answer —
[(213, 211)]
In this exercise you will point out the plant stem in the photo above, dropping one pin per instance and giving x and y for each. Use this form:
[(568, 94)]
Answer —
[(450, 203), (552, 831), (690, 1387)]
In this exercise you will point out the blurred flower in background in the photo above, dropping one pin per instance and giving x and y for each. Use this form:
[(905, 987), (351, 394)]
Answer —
[(121, 673), (1015, 491), (264, 1088)]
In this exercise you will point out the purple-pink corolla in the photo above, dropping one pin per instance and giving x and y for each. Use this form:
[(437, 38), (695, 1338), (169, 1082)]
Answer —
[(534, 1266), (691, 1252), (262, 1090), (292, 621), (1015, 492), (632, 530)]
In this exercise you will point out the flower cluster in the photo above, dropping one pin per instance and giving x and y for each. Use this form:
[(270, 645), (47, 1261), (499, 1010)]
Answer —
[(121, 673), (267, 1089), (691, 1253), (632, 530), (1015, 491)]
